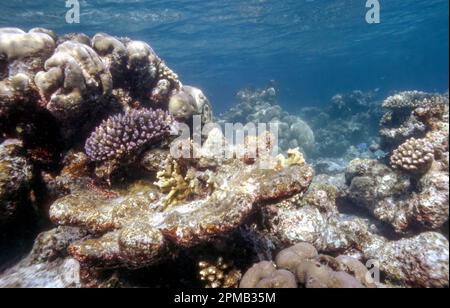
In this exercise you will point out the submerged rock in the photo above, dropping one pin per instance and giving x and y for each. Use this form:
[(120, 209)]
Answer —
[(260, 106), (420, 261), (15, 181), (411, 114), (396, 199), (47, 265), (133, 231)]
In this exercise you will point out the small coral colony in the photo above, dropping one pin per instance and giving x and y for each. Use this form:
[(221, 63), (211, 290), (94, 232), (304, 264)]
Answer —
[(357, 198)]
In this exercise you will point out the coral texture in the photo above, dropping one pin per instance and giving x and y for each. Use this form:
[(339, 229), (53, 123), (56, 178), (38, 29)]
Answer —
[(74, 83), (125, 135), (15, 180), (132, 231), (219, 274), (295, 220), (415, 155), (302, 265), (411, 114), (381, 190)]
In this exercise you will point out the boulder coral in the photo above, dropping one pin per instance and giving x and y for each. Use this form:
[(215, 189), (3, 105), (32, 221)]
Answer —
[(302, 265)]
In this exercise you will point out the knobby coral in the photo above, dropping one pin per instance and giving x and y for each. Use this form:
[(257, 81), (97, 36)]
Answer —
[(415, 155), (219, 274), (301, 264)]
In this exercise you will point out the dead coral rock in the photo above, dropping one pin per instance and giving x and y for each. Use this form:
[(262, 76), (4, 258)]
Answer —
[(47, 264), (420, 261), (132, 231), (15, 179), (393, 198), (430, 206)]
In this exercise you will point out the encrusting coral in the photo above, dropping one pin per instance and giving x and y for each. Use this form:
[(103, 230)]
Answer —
[(132, 231), (125, 135)]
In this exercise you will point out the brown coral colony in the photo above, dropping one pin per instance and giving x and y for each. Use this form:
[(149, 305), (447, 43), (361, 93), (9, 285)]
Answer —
[(415, 155)]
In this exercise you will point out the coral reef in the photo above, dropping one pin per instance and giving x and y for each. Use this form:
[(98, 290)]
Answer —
[(319, 223), (125, 135), (349, 120), (134, 232), (260, 106), (411, 114), (136, 67), (47, 265), (430, 250), (127, 207)]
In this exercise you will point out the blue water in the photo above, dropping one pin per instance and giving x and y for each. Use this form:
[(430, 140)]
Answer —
[(312, 48)]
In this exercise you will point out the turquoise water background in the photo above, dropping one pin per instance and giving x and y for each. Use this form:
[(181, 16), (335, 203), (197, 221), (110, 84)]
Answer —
[(312, 48)]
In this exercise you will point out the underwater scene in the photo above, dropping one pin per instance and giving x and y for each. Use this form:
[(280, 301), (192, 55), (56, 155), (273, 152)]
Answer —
[(233, 144)]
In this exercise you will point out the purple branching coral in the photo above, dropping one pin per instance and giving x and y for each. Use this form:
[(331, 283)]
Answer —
[(125, 135)]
